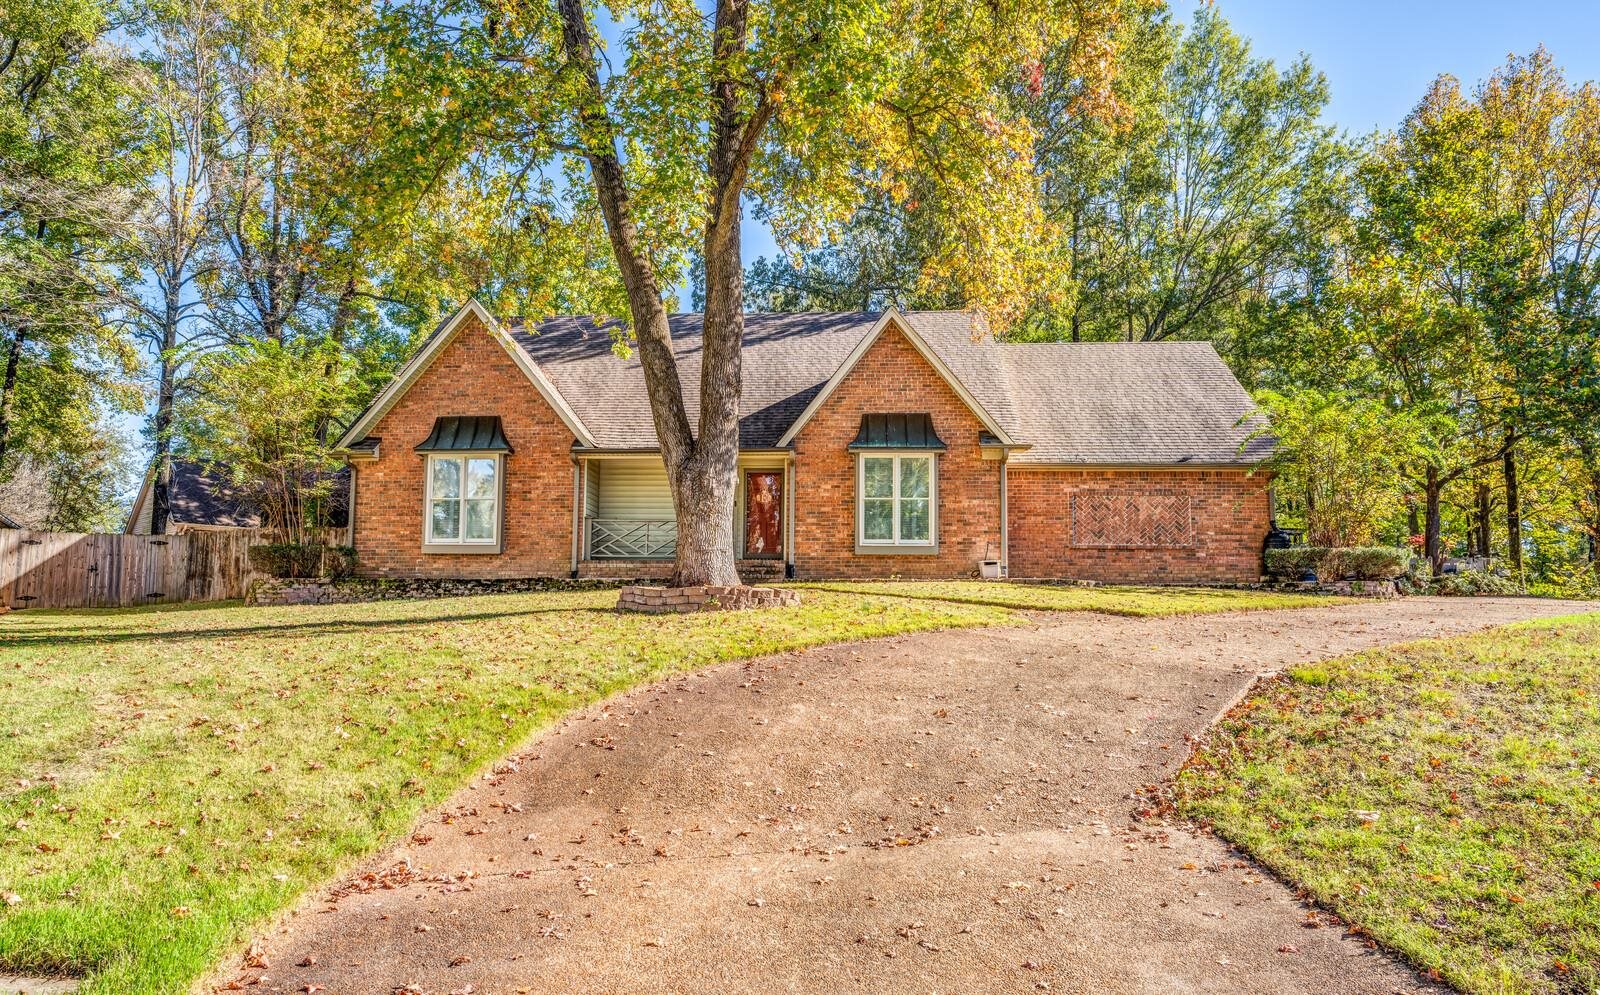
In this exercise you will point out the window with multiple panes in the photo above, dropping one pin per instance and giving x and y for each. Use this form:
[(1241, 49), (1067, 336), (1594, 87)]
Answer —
[(897, 501), (463, 500)]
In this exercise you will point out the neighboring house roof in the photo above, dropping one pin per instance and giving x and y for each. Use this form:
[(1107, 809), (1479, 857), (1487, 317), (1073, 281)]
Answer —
[(1146, 403), (203, 499)]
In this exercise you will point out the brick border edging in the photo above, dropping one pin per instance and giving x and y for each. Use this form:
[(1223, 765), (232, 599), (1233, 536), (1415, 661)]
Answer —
[(673, 600)]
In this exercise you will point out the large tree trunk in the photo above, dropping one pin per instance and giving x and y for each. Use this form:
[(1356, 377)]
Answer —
[(161, 476), (700, 467), (1481, 522), (8, 390), (1594, 515), (1431, 546), (1513, 509)]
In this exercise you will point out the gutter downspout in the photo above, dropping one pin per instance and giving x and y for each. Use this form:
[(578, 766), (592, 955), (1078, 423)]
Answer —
[(788, 518), (1005, 520), (577, 512), (350, 507)]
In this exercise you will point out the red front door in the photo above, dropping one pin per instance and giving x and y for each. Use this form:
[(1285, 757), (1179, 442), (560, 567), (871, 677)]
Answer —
[(763, 511)]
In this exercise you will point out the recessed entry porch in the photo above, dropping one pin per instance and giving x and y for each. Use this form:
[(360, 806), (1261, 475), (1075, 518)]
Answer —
[(628, 528)]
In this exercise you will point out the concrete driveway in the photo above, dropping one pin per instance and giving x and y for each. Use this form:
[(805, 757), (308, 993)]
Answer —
[(945, 812)]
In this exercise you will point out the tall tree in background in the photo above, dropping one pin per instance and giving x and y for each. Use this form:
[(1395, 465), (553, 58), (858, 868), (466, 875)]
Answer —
[(1198, 210), (174, 235), (70, 161), (1541, 269), (1206, 198), (780, 102), (877, 265), (1414, 295), (273, 240)]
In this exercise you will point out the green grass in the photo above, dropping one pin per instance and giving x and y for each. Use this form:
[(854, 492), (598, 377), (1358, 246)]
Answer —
[(172, 778), (1443, 796), (1130, 601)]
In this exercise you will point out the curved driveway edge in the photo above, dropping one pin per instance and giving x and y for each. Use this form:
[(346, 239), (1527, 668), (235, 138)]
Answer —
[(941, 812)]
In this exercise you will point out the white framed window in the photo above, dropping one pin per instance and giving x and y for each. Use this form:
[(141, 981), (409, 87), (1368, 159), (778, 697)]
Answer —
[(897, 504), (461, 512)]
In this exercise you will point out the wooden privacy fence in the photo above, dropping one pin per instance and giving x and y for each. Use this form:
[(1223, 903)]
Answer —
[(75, 570)]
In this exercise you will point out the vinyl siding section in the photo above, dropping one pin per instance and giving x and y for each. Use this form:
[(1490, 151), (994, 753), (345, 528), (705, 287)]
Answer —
[(591, 489), (147, 511), (632, 490)]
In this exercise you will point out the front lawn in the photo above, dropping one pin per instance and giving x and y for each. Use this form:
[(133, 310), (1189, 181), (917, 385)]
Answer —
[(1443, 796), (169, 779)]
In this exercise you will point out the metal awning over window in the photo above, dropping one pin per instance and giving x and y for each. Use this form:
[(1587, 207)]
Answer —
[(897, 431), (473, 433)]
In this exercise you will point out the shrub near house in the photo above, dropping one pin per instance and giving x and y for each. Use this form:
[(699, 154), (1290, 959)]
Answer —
[(1337, 563), (906, 445)]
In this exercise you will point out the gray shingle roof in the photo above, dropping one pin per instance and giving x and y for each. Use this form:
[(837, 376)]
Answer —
[(787, 358), (1131, 402), (1151, 403)]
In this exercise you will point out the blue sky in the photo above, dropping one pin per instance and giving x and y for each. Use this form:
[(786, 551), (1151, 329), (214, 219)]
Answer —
[(1380, 55)]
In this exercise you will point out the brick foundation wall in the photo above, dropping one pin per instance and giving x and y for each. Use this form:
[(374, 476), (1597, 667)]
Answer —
[(473, 375), (892, 377), (1137, 526), (750, 571), (625, 569)]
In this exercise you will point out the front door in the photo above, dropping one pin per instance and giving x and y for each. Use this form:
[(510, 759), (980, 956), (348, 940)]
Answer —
[(763, 513)]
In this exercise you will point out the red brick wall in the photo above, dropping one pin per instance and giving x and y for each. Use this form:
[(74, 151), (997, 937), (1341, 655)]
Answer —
[(1228, 520), (473, 375), (892, 377)]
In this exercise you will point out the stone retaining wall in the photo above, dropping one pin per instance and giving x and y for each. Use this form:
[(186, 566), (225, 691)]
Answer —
[(351, 590), (669, 600)]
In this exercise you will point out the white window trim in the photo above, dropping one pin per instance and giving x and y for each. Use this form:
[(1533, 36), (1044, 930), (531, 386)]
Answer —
[(463, 544), (897, 546)]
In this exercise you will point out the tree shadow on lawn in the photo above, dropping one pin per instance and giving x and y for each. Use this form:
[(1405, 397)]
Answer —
[(20, 635), (1128, 602)]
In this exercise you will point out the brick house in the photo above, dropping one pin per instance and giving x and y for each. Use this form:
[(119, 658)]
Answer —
[(872, 445)]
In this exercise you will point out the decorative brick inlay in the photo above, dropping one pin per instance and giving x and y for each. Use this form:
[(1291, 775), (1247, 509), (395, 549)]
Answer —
[(1131, 518), (1227, 511), (671, 600)]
